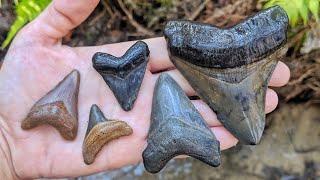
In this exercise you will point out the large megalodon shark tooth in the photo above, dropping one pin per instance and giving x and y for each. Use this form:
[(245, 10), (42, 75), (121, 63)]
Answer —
[(230, 68), (125, 74), (177, 128)]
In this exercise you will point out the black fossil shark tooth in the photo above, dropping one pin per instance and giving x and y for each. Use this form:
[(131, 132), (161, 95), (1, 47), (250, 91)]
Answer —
[(124, 75), (100, 131), (230, 68), (58, 108), (177, 128)]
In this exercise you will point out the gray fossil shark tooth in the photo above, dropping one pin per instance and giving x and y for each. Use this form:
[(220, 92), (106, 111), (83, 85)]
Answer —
[(100, 132), (124, 75), (96, 116), (230, 68), (58, 108), (177, 128)]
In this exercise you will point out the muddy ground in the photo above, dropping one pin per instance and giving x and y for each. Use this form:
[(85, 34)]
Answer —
[(290, 148)]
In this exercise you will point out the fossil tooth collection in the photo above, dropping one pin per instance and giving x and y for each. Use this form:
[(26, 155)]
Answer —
[(229, 68), (177, 128), (100, 131), (124, 74), (58, 108)]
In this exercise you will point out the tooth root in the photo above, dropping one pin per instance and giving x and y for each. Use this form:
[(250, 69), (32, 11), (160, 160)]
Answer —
[(100, 132), (125, 74), (177, 128), (58, 108)]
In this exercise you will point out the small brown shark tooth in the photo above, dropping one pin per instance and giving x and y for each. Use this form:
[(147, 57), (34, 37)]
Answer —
[(230, 68), (100, 131), (177, 128), (58, 108), (125, 74)]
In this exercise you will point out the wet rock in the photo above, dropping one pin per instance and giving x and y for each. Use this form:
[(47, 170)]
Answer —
[(230, 68), (124, 75), (101, 131), (58, 108), (177, 128)]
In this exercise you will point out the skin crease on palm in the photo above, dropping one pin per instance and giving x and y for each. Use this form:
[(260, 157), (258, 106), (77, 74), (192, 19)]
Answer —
[(37, 61)]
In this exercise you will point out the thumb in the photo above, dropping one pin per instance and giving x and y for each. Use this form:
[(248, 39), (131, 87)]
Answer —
[(60, 17)]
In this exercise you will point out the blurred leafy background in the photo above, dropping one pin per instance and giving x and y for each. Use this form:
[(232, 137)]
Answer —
[(298, 11)]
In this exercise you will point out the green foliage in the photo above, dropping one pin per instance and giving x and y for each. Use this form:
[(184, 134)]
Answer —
[(297, 10), (26, 11)]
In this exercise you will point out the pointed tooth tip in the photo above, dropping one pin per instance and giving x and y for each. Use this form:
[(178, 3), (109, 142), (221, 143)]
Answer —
[(126, 128), (253, 142), (94, 107), (74, 74), (74, 77), (252, 139), (96, 114), (148, 166), (215, 162), (165, 80), (25, 124), (126, 107)]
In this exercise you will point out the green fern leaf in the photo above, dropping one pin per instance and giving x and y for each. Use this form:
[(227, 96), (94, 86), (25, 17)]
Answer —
[(26, 11), (297, 10), (314, 8), (303, 10)]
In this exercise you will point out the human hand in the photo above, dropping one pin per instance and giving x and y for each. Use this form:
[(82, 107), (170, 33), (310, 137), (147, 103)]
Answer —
[(37, 61)]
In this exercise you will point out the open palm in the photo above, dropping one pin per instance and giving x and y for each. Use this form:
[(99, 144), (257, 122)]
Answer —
[(36, 62)]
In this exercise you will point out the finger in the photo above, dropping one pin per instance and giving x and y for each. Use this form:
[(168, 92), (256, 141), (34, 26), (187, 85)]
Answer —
[(60, 17), (280, 75), (226, 139), (159, 58), (271, 100), (208, 115)]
